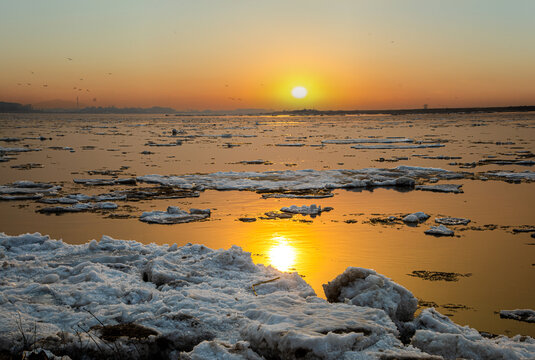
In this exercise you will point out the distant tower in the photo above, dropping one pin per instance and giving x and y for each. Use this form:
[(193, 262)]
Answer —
[(77, 102), (425, 106)]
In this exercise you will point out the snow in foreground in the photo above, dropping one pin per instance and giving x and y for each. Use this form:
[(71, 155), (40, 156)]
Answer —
[(197, 303)]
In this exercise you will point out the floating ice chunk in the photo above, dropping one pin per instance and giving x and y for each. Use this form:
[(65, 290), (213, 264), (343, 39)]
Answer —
[(305, 210), (416, 217), (365, 287), (445, 188), (101, 182), (174, 215), (412, 146), (452, 221), (21, 197), (368, 141), (23, 190), (105, 205), (526, 315), (290, 144), (440, 230), (525, 175), (59, 200), (14, 150), (78, 207), (176, 143), (255, 162)]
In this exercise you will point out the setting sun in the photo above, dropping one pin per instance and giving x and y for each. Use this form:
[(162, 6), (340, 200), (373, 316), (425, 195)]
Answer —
[(282, 255), (299, 92)]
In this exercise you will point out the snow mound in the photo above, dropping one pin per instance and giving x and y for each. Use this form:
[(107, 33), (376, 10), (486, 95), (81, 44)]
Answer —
[(174, 215), (364, 287)]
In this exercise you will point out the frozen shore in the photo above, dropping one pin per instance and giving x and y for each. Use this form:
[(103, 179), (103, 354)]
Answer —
[(111, 297)]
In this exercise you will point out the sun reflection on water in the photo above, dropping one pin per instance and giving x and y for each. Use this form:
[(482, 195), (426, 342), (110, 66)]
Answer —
[(282, 254)]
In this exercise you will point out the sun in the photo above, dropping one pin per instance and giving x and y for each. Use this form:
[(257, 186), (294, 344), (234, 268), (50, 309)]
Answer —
[(299, 92)]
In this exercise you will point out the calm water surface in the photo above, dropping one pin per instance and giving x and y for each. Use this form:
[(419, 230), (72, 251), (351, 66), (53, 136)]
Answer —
[(501, 263)]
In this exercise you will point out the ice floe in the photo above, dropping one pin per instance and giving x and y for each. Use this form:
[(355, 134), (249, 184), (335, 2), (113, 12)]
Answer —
[(298, 180), (391, 146), (525, 175), (291, 144), (452, 221), (440, 230), (14, 150), (526, 315), (24, 189), (173, 215), (106, 182), (305, 210), (416, 217), (79, 207), (445, 188), (111, 297), (368, 141)]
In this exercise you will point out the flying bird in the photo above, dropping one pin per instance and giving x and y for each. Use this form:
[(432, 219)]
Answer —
[(45, 85), (70, 59)]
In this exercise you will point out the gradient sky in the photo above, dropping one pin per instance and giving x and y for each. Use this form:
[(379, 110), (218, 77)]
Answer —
[(214, 54)]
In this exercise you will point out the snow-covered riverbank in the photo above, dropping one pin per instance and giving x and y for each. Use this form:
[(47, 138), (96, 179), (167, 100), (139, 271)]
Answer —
[(112, 297)]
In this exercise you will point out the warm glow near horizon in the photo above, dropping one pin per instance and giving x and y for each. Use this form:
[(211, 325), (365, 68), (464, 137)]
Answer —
[(215, 55)]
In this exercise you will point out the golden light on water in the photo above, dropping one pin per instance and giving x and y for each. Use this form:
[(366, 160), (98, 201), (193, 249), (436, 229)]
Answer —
[(282, 255)]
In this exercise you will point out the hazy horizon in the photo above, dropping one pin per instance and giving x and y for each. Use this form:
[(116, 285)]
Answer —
[(224, 56)]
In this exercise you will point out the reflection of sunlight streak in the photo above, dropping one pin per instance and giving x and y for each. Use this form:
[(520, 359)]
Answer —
[(281, 254)]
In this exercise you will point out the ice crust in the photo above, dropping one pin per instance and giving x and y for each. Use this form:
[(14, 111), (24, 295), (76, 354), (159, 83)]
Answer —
[(200, 304), (173, 215)]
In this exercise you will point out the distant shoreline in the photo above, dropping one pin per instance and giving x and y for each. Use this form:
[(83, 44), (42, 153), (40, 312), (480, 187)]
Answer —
[(9, 107)]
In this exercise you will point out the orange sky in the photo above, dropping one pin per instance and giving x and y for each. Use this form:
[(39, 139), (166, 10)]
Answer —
[(217, 55)]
